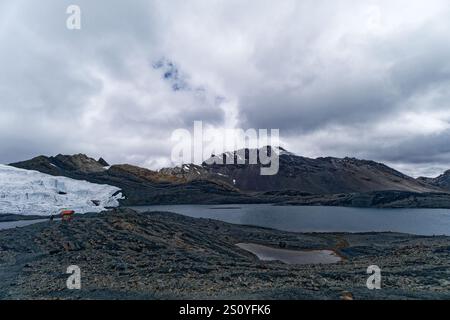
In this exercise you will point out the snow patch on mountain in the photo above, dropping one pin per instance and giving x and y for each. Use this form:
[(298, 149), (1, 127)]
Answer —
[(30, 192)]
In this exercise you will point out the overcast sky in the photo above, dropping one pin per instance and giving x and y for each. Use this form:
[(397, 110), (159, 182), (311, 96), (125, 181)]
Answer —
[(366, 79)]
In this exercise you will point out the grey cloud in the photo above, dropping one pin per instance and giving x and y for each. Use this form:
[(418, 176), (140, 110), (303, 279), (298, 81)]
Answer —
[(334, 77), (92, 90)]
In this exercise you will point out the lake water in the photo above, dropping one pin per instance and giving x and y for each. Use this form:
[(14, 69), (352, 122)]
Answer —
[(18, 224), (309, 219), (265, 253), (320, 219)]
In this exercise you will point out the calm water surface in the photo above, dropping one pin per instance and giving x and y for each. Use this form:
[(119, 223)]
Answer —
[(309, 219), (265, 253), (18, 224), (320, 219)]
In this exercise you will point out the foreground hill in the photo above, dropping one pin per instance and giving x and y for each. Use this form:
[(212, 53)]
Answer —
[(127, 255)]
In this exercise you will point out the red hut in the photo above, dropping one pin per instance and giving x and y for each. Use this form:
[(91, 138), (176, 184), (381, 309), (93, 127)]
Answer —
[(67, 214)]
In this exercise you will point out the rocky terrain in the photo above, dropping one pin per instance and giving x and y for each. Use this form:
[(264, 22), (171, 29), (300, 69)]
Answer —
[(300, 181), (126, 255), (64, 165), (140, 186), (375, 199), (443, 181), (321, 176)]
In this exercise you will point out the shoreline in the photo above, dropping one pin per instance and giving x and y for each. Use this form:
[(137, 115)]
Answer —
[(373, 219), (128, 255)]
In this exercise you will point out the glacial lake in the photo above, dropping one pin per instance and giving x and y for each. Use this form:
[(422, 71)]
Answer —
[(320, 219)]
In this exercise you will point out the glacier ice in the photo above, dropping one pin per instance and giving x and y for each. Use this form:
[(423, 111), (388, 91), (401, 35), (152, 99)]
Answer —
[(30, 192)]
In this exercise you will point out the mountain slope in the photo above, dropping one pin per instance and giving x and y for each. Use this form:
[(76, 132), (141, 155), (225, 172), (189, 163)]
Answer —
[(319, 176), (33, 193), (443, 181), (298, 177), (140, 186), (62, 165)]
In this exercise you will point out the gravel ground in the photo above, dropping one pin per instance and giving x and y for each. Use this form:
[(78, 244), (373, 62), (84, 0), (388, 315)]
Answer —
[(127, 255)]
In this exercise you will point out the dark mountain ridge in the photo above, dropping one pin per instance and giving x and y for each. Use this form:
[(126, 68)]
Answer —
[(326, 175), (300, 180), (442, 181)]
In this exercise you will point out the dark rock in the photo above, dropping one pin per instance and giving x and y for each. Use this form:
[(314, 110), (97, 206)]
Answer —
[(103, 162), (443, 181), (96, 202)]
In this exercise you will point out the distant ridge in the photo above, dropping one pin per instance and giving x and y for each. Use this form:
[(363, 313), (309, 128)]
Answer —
[(443, 181), (326, 175), (300, 180)]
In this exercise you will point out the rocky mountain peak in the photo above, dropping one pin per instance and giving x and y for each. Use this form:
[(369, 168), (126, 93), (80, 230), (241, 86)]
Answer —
[(78, 162), (323, 176), (443, 181), (103, 162), (60, 164)]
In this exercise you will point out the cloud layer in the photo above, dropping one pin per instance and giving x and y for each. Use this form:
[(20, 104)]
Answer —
[(340, 78)]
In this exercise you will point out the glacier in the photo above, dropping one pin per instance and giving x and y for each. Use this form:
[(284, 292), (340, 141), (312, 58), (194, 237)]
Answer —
[(28, 192)]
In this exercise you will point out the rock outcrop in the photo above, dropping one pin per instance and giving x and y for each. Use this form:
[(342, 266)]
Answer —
[(443, 181)]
